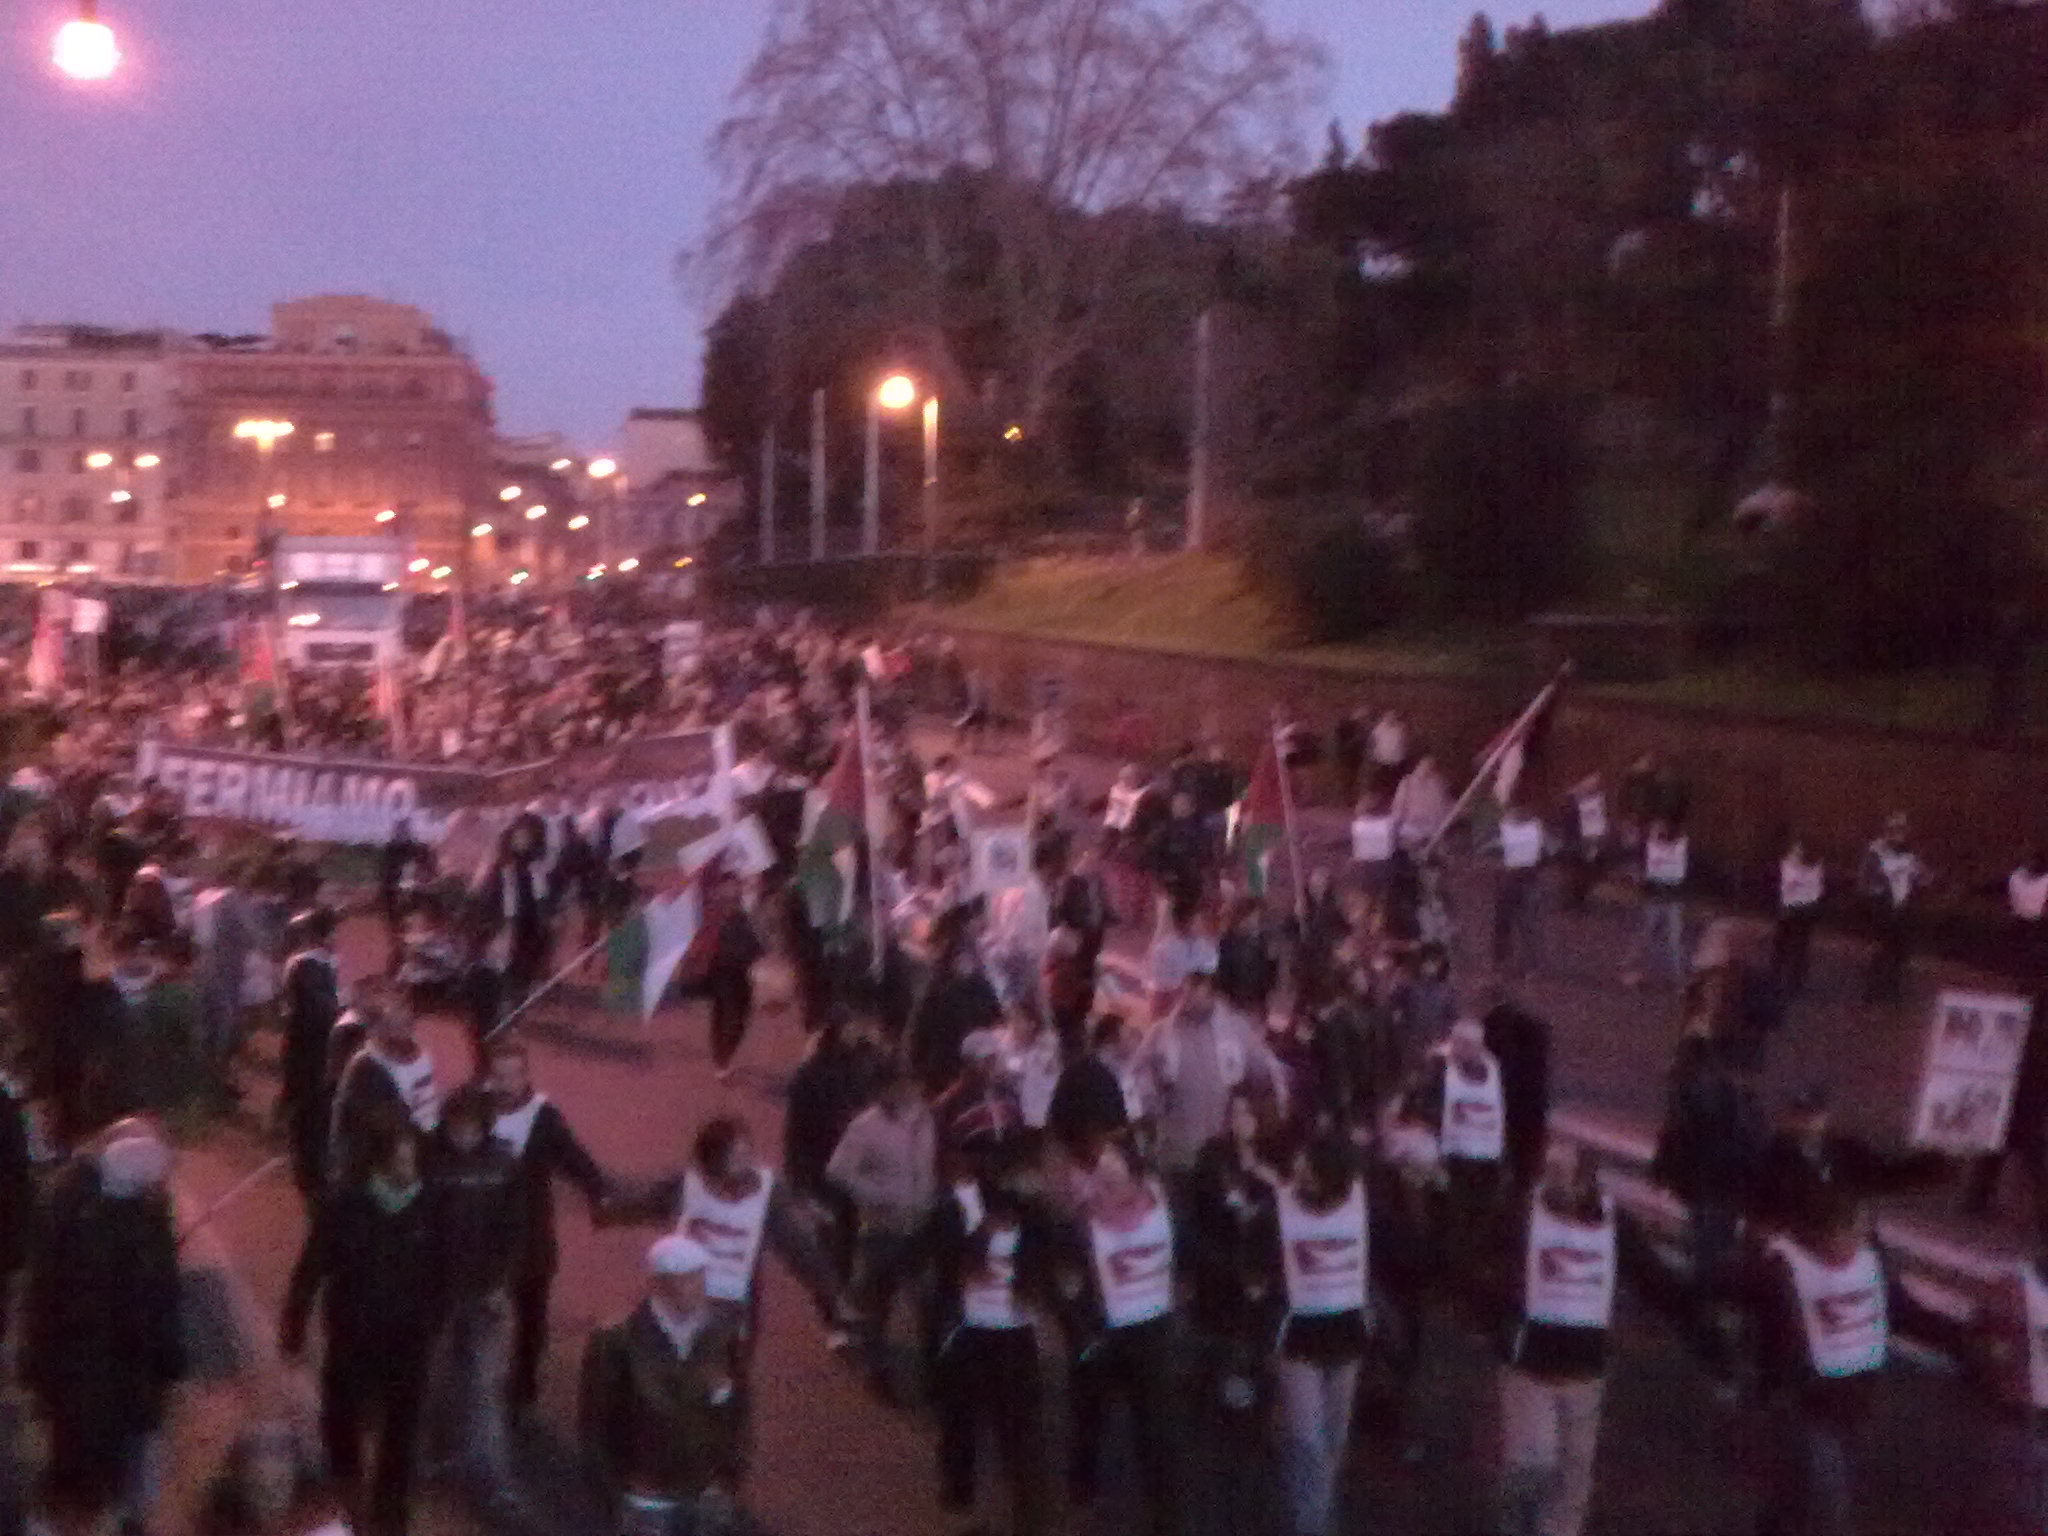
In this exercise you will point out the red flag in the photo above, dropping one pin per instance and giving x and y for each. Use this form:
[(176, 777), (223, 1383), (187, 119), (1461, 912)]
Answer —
[(46, 649), (259, 655)]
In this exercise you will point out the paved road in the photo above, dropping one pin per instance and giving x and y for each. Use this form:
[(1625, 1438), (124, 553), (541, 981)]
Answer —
[(831, 1463)]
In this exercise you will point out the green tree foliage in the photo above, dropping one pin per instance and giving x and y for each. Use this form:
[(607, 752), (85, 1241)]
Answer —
[(1494, 503)]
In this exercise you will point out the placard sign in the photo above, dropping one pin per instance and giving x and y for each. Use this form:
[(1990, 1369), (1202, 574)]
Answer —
[(1974, 1045), (1001, 859)]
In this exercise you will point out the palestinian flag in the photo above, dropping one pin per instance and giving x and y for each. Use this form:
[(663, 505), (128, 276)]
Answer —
[(645, 952), (827, 856), (1520, 754), (1259, 821)]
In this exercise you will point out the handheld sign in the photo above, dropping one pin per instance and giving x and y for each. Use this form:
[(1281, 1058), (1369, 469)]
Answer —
[(1974, 1046)]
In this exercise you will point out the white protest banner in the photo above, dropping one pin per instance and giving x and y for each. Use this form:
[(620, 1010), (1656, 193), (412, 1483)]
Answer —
[(320, 800), (1974, 1046), (1001, 859)]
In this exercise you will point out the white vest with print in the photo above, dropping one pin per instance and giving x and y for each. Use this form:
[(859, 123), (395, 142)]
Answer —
[(1323, 1254), (1800, 885), (1568, 1272), (1664, 861), (1521, 843), (730, 1231), (1134, 1269), (2027, 895), (988, 1297), (1372, 839), (1841, 1309), (1592, 817), (1475, 1117)]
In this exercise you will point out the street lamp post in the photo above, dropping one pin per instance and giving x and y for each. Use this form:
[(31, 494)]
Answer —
[(898, 392), (266, 436), (931, 495), (606, 473)]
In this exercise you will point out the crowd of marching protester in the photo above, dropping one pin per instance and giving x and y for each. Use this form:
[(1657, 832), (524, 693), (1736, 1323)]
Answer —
[(1235, 1183)]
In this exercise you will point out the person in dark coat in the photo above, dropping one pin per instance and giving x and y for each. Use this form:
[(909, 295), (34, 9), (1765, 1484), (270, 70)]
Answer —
[(1521, 1042), (103, 1345), (1807, 1162), (17, 1191), (957, 1001), (1088, 1104), (662, 1407), (404, 866), (312, 1003), (477, 1201), (538, 1134), (841, 1074), (390, 1073), (74, 1024), (1709, 1147), (371, 1259), (733, 947), (513, 900)]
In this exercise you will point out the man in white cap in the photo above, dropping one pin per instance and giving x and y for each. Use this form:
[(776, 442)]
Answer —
[(662, 1411)]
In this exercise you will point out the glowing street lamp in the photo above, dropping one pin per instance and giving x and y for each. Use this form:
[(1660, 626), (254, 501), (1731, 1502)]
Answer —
[(147, 461), (512, 493), (898, 392), (387, 516), (578, 521), (442, 572), (84, 47), (536, 513), (417, 566), (264, 433), (603, 469), (699, 499), (98, 460), (479, 530), (630, 563), (561, 464)]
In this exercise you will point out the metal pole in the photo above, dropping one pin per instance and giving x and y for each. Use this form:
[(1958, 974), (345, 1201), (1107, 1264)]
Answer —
[(871, 484), (817, 474), (931, 495), (1198, 438), (768, 495)]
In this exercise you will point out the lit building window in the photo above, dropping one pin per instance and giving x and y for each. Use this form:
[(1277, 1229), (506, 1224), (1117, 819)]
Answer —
[(323, 442)]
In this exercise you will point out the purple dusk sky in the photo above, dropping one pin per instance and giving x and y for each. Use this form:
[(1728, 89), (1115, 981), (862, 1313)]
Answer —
[(523, 169)]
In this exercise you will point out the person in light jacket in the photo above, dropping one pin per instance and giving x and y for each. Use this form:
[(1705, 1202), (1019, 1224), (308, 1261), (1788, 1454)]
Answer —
[(887, 1163)]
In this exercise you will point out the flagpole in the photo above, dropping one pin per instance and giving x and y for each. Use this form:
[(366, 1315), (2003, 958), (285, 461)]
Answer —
[(553, 981), (1287, 824), (1500, 750), (867, 803)]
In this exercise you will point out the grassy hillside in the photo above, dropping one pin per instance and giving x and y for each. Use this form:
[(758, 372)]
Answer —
[(1198, 603), (1202, 605)]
